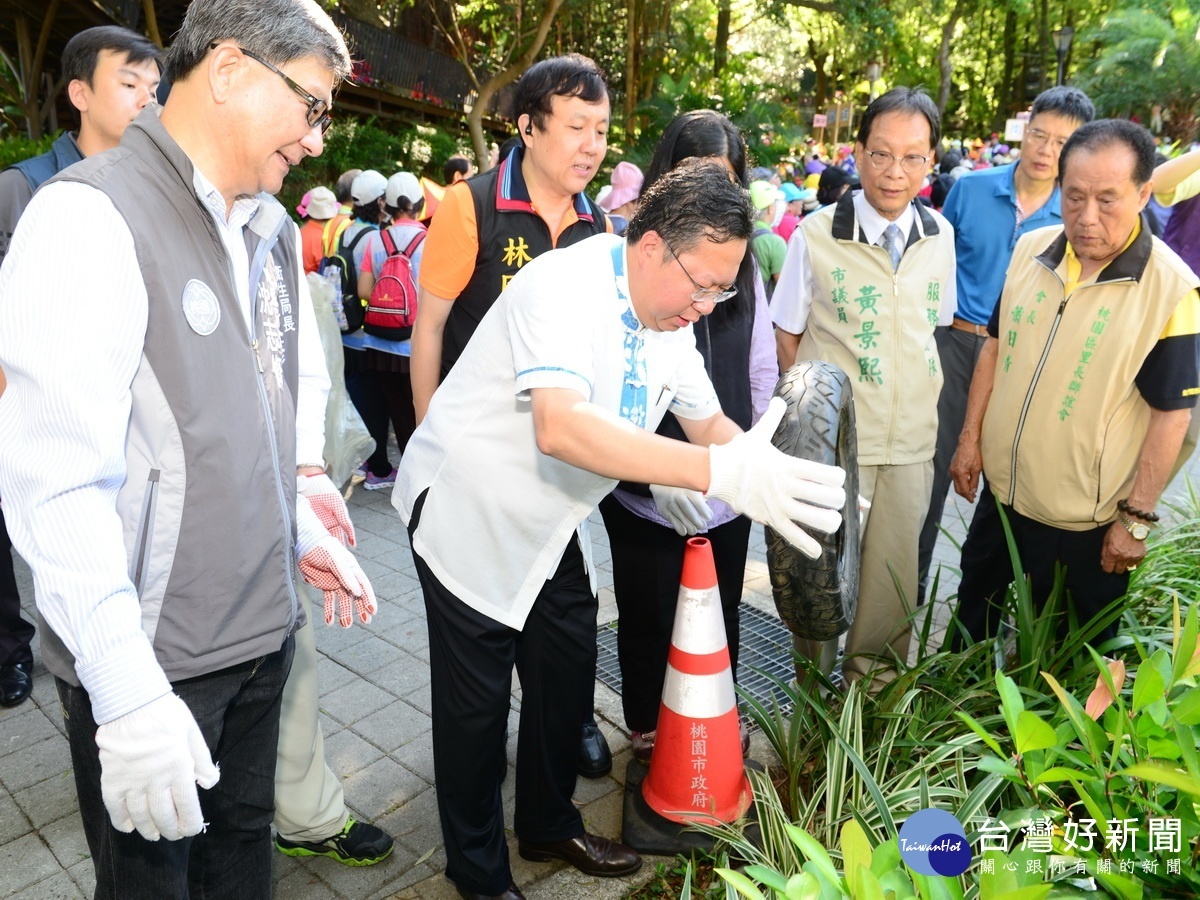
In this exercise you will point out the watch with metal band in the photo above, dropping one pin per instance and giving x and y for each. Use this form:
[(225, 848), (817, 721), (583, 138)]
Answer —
[(1138, 530)]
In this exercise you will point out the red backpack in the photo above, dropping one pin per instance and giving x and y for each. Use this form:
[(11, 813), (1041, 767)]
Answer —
[(392, 308)]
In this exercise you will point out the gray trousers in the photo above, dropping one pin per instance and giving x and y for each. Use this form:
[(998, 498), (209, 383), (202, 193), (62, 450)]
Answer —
[(959, 351), (309, 805)]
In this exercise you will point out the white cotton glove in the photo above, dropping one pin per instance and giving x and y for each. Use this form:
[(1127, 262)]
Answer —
[(778, 490), (329, 505), (687, 511), (150, 763), (331, 569)]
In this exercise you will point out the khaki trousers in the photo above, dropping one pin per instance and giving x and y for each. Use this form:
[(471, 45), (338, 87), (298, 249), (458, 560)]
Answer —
[(309, 805), (899, 498)]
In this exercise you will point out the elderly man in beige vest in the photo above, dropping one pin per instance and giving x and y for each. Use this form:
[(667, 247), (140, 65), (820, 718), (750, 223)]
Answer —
[(1083, 392), (865, 282)]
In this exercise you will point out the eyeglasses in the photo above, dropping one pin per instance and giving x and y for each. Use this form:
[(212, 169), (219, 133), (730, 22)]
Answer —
[(318, 115), (912, 164), (1035, 137), (702, 295)]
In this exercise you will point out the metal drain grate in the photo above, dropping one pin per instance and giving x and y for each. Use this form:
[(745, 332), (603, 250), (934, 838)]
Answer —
[(766, 645)]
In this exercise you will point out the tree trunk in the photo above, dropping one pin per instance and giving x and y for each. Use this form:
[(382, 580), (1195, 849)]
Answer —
[(632, 74), (1004, 96), (506, 76), (945, 66), (819, 58), (721, 46)]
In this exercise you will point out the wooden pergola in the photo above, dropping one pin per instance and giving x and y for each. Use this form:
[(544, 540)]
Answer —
[(34, 32)]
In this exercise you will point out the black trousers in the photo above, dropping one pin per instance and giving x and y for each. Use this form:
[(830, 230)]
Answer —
[(471, 658), (959, 352), (16, 635), (367, 397), (987, 571), (647, 560), (237, 710)]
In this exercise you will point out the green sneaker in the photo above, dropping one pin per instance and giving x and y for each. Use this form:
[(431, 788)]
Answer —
[(358, 844)]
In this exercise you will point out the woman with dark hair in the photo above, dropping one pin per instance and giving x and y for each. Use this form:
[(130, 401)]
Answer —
[(367, 199), (404, 204), (648, 525)]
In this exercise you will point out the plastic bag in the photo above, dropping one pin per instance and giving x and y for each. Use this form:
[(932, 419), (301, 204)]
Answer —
[(347, 442)]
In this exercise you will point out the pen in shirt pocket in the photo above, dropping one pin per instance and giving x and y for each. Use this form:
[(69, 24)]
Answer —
[(665, 388)]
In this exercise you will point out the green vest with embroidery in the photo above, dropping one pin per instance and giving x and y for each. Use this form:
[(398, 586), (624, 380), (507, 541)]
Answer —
[(877, 326)]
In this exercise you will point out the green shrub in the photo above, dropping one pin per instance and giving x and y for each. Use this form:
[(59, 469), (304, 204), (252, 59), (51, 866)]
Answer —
[(371, 144), (996, 734), (15, 149)]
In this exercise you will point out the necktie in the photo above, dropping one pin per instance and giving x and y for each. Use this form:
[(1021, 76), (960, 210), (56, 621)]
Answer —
[(893, 243)]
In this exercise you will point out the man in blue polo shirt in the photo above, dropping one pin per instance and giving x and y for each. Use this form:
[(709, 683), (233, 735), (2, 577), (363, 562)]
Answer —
[(989, 210)]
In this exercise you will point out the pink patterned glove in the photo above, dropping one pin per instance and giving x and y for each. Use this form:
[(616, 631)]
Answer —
[(331, 568), (327, 502)]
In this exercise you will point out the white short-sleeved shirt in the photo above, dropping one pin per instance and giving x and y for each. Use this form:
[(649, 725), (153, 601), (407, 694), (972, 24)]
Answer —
[(499, 512)]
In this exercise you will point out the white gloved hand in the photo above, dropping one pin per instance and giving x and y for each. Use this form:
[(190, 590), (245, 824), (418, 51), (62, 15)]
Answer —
[(778, 490), (150, 763), (329, 505), (332, 569), (686, 510)]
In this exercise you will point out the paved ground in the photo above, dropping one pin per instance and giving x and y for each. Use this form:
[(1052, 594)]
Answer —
[(375, 702)]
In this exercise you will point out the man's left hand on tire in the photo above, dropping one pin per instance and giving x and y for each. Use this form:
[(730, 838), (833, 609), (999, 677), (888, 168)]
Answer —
[(686, 510)]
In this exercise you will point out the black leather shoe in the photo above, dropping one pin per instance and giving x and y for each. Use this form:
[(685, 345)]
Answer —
[(595, 759), (513, 893), (16, 681), (589, 853)]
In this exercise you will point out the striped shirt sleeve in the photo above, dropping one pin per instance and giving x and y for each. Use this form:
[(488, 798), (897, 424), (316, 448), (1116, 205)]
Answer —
[(63, 420)]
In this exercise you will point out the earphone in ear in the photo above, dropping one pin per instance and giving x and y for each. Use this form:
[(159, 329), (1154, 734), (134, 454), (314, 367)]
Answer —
[(529, 129)]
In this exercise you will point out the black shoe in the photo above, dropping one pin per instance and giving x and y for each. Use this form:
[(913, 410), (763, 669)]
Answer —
[(595, 759), (16, 681), (358, 844), (513, 893), (589, 853)]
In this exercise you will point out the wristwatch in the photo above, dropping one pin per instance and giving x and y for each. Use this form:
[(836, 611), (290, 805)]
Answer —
[(1138, 530)]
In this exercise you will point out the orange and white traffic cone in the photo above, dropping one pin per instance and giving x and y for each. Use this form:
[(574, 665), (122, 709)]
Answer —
[(696, 771)]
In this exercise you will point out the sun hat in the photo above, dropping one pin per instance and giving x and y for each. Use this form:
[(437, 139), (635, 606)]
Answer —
[(626, 183), (791, 192), (321, 203), (368, 187)]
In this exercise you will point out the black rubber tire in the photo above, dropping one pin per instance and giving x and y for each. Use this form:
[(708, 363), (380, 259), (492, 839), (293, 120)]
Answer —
[(817, 598)]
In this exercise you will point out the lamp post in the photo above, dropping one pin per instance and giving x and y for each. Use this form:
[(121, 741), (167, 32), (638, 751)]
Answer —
[(874, 70), (1062, 44)]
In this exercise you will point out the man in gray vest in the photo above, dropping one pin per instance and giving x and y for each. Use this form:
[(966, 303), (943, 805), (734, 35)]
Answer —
[(150, 445), (111, 74)]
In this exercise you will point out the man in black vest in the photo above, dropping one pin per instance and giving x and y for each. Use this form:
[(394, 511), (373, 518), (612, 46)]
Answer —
[(487, 228), (111, 74)]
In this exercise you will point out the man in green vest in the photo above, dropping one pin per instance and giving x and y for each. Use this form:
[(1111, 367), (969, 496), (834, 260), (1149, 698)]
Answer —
[(1083, 392), (865, 282)]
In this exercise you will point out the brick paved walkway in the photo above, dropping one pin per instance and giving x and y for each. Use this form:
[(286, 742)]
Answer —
[(375, 702)]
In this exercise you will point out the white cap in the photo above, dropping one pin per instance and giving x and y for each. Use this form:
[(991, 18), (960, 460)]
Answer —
[(403, 184), (367, 187)]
